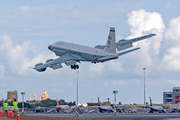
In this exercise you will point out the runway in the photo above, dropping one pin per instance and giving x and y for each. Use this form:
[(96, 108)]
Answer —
[(131, 116)]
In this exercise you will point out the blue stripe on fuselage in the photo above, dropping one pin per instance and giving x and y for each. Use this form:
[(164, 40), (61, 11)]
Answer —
[(112, 30)]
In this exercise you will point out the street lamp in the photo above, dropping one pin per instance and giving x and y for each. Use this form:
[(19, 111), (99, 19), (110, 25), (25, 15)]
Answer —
[(144, 87), (115, 92), (77, 86), (23, 93)]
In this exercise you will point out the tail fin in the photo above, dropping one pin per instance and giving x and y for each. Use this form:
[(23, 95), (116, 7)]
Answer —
[(111, 41), (57, 102), (99, 104), (150, 101)]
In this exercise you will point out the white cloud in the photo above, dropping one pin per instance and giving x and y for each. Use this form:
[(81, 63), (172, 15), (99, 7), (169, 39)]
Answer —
[(16, 56), (2, 70), (25, 8), (96, 69), (53, 15), (173, 31), (171, 58), (143, 23), (106, 67), (169, 5), (174, 82), (114, 66)]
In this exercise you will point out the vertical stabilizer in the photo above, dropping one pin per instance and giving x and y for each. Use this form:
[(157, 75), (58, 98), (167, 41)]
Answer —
[(99, 104), (111, 41), (57, 102), (150, 101)]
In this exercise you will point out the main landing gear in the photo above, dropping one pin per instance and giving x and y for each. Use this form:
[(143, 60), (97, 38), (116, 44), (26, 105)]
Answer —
[(74, 67)]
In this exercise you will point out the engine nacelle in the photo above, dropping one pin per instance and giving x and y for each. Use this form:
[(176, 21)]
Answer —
[(49, 60), (41, 70), (100, 46), (124, 46)]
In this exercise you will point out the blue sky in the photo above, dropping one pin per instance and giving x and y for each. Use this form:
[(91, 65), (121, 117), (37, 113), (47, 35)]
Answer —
[(27, 28)]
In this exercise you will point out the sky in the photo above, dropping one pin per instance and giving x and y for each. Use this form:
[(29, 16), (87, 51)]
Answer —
[(28, 27)]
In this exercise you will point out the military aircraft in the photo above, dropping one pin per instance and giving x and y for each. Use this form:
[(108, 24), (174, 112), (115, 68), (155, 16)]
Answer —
[(71, 54)]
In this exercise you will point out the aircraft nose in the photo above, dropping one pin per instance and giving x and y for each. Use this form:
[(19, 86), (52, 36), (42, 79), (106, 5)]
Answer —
[(49, 47)]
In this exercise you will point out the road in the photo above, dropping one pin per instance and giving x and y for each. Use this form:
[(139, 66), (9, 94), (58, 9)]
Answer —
[(132, 116)]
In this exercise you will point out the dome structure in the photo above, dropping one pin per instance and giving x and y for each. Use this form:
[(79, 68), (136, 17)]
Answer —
[(44, 96)]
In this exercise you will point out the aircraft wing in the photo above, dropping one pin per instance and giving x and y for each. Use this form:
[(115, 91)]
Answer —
[(55, 64), (51, 110), (125, 52), (124, 44)]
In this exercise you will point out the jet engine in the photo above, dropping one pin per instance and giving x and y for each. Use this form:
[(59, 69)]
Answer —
[(49, 60), (123, 44), (41, 70), (100, 46)]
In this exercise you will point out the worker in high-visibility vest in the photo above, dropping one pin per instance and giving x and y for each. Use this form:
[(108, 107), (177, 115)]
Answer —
[(15, 107), (6, 107)]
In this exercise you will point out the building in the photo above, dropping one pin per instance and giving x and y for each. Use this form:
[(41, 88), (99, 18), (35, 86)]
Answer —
[(175, 95), (97, 104), (167, 97), (35, 97), (172, 97), (44, 96), (11, 95)]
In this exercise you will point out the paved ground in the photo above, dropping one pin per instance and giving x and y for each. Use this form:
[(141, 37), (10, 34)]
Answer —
[(123, 116)]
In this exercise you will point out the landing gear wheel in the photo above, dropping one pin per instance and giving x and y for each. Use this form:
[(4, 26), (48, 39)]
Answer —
[(74, 67), (77, 66)]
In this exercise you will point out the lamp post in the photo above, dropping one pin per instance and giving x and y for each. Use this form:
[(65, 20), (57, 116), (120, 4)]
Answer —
[(77, 86), (115, 92), (23, 93), (144, 87)]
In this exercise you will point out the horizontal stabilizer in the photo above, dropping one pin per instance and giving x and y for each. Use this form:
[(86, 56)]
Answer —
[(125, 52), (108, 58)]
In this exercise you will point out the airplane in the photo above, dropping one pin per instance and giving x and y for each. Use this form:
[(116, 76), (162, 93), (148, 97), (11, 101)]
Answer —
[(126, 43), (104, 108), (156, 108), (58, 107), (71, 54), (93, 110)]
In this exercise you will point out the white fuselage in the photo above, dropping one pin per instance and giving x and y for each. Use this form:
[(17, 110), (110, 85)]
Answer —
[(80, 52)]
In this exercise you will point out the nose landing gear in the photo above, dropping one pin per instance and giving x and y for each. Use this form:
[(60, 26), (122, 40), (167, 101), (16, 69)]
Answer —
[(74, 67)]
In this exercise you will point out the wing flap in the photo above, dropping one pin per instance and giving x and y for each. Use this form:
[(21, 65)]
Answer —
[(56, 66)]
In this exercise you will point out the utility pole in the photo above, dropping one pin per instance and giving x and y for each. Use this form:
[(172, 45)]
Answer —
[(115, 92), (23, 93), (144, 87), (77, 87)]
